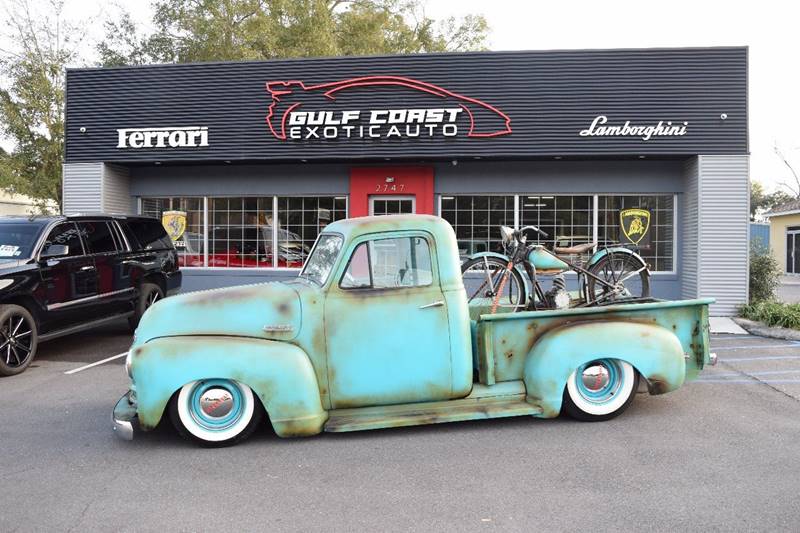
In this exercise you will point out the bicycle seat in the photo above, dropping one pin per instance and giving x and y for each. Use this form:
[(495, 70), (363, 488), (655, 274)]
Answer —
[(577, 249)]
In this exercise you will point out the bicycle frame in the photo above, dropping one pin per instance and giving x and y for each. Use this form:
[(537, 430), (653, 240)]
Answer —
[(537, 293)]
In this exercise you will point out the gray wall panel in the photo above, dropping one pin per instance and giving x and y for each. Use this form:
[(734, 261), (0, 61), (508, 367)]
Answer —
[(690, 221), (224, 180), (116, 190), (82, 187), (550, 96), (580, 177), (724, 231)]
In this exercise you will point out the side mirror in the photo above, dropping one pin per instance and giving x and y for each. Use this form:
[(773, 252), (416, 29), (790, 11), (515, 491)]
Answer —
[(55, 250)]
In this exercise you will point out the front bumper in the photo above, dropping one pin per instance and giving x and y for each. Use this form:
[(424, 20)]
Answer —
[(125, 422)]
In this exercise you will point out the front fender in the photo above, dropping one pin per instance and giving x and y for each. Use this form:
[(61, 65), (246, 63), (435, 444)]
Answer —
[(654, 352), (280, 374)]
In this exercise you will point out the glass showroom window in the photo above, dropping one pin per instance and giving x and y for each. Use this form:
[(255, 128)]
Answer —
[(190, 243), (566, 219), (659, 253), (240, 232), (301, 219), (476, 221)]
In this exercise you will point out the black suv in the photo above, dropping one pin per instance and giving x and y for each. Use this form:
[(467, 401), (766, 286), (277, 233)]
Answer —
[(59, 275)]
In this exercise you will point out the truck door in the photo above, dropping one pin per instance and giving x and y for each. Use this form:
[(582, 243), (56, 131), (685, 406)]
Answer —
[(386, 325)]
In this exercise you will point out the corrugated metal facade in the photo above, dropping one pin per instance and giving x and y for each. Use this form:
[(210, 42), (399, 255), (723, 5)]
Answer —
[(691, 222), (82, 187), (116, 193), (549, 96), (723, 230)]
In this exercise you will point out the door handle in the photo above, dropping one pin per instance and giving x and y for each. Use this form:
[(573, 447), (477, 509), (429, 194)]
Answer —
[(84, 269), (439, 303)]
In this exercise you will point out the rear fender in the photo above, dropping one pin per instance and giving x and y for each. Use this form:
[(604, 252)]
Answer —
[(279, 373), (616, 250), (654, 352)]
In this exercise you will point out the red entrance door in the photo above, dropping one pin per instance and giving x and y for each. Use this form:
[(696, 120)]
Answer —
[(387, 190)]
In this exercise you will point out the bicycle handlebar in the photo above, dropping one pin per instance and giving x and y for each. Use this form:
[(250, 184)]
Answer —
[(534, 228)]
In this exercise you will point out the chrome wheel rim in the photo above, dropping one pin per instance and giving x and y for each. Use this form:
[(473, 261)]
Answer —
[(152, 298), (15, 340), (599, 381)]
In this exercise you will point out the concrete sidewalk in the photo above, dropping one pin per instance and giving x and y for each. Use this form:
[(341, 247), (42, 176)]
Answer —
[(724, 324)]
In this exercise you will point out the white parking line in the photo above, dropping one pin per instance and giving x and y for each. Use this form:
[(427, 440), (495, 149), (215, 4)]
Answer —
[(714, 376), (96, 363), (749, 381), (759, 346), (770, 358)]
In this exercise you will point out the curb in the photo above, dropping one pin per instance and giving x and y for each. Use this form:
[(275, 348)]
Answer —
[(762, 330)]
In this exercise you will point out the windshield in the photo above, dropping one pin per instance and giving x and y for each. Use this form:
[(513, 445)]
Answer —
[(322, 258), (17, 240)]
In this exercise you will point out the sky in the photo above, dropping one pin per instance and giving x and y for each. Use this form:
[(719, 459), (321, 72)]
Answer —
[(769, 28)]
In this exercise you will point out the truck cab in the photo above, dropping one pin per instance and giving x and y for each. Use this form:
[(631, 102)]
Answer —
[(376, 332)]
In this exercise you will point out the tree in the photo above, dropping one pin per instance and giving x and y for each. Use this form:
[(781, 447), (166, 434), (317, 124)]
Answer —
[(32, 98), (223, 30), (795, 187), (761, 201)]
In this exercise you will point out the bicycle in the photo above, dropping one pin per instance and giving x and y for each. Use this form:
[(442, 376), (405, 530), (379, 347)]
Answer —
[(612, 274)]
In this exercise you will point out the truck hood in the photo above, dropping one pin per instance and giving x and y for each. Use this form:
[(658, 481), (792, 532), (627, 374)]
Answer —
[(266, 311)]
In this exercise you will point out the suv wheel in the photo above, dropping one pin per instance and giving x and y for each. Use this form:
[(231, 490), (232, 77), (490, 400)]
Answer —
[(149, 293), (18, 339)]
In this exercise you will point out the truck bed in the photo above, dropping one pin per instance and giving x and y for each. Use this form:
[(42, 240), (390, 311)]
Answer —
[(503, 340)]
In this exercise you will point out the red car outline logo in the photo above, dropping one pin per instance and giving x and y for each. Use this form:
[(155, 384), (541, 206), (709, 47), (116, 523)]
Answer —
[(278, 89)]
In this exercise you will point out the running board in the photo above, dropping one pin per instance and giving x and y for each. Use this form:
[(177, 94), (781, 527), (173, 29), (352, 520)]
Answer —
[(480, 404), (82, 327)]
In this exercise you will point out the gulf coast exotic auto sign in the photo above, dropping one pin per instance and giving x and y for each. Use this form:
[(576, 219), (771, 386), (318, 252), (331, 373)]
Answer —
[(300, 112)]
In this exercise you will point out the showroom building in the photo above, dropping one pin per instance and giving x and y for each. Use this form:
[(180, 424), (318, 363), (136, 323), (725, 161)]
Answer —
[(247, 162)]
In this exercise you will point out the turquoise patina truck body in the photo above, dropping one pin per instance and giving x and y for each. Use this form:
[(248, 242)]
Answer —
[(376, 332)]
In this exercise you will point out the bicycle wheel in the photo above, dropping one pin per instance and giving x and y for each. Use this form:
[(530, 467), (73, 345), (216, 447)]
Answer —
[(483, 280), (627, 275)]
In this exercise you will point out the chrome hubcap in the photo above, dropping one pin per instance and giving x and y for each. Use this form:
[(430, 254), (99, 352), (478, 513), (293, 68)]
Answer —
[(216, 403), (595, 377), (599, 381), (15, 339)]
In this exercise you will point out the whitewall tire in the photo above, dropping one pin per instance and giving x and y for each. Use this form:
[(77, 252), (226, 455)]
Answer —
[(600, 390), (215, 412)]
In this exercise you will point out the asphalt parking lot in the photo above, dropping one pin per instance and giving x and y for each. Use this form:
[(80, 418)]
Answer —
[(720, 454)]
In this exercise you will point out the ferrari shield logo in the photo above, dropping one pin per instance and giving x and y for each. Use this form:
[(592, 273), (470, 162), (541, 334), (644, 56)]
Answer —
[(175, 223), (635, 224)]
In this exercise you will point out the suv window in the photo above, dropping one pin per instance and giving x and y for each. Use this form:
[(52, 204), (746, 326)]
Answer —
[(389, 264), (98, 237), (149, 233), (65, 233)]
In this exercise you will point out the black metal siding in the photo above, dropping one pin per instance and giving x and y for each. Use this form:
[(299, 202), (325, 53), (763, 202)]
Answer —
[(550, 97)]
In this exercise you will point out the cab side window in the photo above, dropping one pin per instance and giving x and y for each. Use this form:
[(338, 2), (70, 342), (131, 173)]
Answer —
[(65, 234), (98, 237), (389, 264)]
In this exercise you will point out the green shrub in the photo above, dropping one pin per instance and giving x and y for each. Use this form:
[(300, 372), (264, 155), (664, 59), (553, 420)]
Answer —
[(774, 314), (765, 273)]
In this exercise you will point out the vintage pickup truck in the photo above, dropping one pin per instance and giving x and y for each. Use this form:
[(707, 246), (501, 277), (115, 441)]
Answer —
[(376, 332)]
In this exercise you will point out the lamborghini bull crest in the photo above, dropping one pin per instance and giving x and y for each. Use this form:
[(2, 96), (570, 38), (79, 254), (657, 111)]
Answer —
[(635, 224), (175, 223)]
